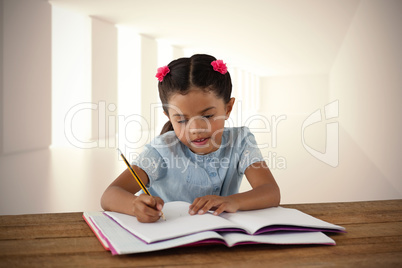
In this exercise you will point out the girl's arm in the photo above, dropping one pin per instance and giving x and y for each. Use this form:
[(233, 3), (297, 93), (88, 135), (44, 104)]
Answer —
[(120, 197), (265, 193)]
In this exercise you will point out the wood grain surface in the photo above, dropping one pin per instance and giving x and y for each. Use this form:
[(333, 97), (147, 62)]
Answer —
[(373, 239)]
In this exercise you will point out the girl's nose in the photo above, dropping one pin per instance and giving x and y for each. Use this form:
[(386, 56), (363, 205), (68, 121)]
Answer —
[(198, 125), (197, 130)]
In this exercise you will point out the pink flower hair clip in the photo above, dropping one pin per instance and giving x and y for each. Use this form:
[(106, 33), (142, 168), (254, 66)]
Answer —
[(219, 66), (162, 72)]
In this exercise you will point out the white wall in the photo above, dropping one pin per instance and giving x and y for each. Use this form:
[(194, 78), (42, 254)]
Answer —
[(287, 101), (104, 80), (365, 86), (177, 53), (366, 78), (149, 84), (84, 80), (138, 91), (1, 75), (71, 78), (26, 75), (296, 94)]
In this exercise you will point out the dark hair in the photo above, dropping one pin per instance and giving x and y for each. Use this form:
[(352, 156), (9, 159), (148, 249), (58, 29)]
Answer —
[(195, 71)]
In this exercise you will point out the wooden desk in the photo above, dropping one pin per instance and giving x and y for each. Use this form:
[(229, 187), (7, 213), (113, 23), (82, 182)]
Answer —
[(374, 239)]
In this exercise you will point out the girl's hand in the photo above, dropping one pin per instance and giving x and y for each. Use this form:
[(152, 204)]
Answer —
[(213, 202), (147, 208)]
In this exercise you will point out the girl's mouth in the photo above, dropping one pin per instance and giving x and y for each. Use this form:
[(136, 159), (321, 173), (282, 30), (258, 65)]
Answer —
[(200, 142)]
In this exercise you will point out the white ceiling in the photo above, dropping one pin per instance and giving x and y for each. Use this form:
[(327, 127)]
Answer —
[(271, 37)]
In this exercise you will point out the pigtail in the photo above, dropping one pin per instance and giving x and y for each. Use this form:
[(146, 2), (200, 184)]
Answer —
[(167, 127)]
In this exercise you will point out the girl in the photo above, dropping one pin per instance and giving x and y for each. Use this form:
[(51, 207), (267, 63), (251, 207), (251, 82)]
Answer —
[(195, 159)]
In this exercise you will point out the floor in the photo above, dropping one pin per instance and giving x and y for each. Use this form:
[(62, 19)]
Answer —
[(56, 179)]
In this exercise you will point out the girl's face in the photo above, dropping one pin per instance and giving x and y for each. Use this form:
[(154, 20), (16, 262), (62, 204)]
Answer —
[(198, 119)]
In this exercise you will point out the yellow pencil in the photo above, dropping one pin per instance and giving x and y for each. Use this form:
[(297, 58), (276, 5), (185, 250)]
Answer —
[(137, 178)]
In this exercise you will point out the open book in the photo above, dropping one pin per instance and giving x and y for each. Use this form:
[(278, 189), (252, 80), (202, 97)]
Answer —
[(120, 241), (179, 223)]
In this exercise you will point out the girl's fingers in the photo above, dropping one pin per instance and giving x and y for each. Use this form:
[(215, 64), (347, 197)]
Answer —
[(220, 204), (220, 209), (203, 204), (148, 208), (148, 200), (196, 206), (207, 206), (159, 203)]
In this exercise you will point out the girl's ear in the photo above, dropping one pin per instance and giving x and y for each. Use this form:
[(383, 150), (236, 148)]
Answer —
[(229, 107)]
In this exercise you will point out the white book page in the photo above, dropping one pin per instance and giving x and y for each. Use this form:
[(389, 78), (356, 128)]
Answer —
[(178, 223), (123, 242), (280, 238), (253, 220)]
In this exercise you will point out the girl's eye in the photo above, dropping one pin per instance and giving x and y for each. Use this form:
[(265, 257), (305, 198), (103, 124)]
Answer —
[(184, 121)]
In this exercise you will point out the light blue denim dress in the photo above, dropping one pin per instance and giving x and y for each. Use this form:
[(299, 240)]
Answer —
[(177, 174)]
